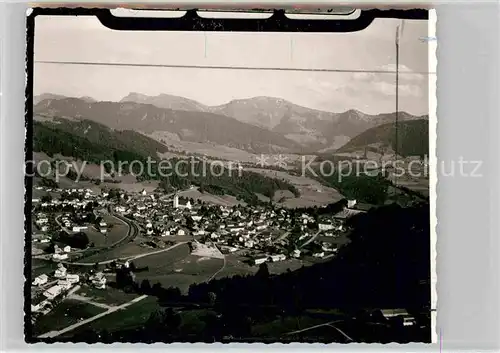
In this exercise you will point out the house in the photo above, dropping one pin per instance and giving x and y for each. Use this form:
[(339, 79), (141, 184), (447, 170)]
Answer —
[(228, 249), (72, 278), (37, 307), (249, 244), (296, 253), (65, 285), (103, 224), (259, 259), (181, 204), (325, 226), (278, 257), (351, 203), (319, 254), (41, 280), (59, 257), (389, 313), (99, 280), (103, 230), (143, 192), (181, 232), (53, 292), (60, 272), (79, 228), (120, 209), (67, 248), (396, 314)]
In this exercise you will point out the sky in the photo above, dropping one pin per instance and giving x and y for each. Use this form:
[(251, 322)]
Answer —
[(84, 39)]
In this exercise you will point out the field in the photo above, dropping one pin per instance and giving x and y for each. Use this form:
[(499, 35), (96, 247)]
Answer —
[(117, 230), (312, 192), (177, 268), (236, 265), (39, 266), (281, 327), (133, 186), (206, 149), (225, 200), (135, 314), (110, 296), (125, 250), (67, 313)]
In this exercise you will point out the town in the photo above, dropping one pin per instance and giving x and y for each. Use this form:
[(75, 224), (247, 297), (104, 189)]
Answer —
[(84, 230)]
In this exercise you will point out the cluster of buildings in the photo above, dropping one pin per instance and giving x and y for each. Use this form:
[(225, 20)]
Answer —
[(264, 233), (256, 229), (61, 253), (59, 286), (72, 198), (63, 282), (71, 201)]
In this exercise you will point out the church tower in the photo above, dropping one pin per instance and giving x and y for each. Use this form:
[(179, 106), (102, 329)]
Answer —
[(176, 201)]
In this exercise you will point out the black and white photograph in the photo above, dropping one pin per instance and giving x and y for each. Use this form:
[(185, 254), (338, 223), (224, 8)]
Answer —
[(225, 186)]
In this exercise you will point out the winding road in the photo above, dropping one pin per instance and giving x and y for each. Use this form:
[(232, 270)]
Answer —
[(132, 232)]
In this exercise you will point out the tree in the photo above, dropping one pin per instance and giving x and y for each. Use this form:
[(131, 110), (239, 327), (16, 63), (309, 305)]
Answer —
[(46, 198), (189, 222), (263, 271), (173, 294), (212, 298), (161, 323), (145, 287), (157, 289), (172, 320)]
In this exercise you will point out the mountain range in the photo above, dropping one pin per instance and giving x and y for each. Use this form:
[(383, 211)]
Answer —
[(257, 125)]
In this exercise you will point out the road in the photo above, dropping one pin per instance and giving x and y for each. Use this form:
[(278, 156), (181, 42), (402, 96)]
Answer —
[(132, 232), (220, 269), (88, 300), (330, 324), (52, 334), (281, 237), (311, 239)]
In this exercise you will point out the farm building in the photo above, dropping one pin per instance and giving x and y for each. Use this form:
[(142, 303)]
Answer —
[(40, 280), (259, 259), (278, 257), (53, 292)]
